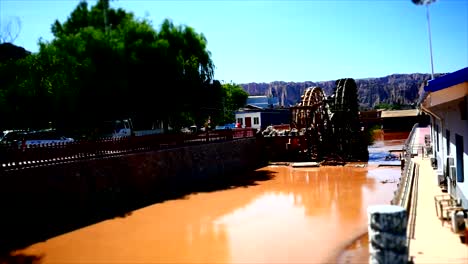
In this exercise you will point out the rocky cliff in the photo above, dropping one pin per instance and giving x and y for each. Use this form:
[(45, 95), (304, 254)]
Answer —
[(402, 89)]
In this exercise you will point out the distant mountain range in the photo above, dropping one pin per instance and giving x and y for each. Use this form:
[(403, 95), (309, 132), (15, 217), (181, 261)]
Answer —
[(403, 89)]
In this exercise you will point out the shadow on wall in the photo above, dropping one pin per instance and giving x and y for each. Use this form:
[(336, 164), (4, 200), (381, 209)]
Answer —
[(31, 224)]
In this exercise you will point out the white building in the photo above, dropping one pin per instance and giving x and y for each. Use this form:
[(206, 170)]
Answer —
[(259, 118), (446, 102)]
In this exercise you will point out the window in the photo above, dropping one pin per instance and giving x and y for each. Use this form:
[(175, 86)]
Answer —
[(447, 137), (459, 157), (256, 121), (462, 105), (239, 120), (437, 136)]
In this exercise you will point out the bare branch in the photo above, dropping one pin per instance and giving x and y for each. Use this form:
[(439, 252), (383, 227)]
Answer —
[(11, 30)]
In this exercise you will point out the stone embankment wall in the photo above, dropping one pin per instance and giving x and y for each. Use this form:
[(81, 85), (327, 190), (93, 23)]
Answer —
[(62, 197)]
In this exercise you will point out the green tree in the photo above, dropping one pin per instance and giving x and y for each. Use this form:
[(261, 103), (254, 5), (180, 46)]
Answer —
[(104, 64), (235, 98), (24, 93), (114, 65), (387, 106)]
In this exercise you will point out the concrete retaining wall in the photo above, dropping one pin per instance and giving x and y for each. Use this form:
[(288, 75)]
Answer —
[(40, 202)]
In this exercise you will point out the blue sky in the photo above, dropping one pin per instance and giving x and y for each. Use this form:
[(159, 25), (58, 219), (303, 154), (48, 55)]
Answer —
[(307, 40)]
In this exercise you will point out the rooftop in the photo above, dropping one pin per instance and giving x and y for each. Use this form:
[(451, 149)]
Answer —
[(399, 113), (448, 80)]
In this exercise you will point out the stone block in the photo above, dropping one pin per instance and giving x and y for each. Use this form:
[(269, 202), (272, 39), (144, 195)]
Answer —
[(382, 240), (385, 256), (387, 218)]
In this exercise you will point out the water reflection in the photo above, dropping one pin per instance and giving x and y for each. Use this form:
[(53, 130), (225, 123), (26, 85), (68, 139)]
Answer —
[(320, 209)]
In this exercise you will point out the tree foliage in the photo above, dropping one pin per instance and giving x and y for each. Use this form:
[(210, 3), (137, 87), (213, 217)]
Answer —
[(104, 64), (386, 106), (236, 97)]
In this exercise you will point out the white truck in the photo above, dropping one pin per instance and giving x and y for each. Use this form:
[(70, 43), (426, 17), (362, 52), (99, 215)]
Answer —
[(124, 128)]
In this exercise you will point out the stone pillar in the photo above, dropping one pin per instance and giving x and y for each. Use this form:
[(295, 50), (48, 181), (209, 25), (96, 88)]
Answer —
[(387, 234)]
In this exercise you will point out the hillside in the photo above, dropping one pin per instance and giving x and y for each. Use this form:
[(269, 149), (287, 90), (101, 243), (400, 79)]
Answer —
[(10, 51), (401, 89)]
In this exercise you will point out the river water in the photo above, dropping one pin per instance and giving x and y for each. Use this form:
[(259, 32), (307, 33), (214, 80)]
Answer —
[(307, 215)]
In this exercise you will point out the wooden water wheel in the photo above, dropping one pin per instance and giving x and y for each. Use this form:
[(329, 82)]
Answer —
[(312, 116), (345, 119)]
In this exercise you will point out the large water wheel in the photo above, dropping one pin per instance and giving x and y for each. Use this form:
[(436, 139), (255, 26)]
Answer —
[(345, 120), (312, 116), (331, 125)]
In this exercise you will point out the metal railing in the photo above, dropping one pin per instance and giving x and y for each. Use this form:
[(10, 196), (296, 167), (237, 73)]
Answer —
[(17, 157), (406, 194), (403, 193)]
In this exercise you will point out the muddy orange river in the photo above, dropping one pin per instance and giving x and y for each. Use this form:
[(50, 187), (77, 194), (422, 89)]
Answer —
[(307, 215)]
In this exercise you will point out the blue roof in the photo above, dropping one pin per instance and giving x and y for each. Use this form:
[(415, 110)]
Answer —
[(262, 101), (448, 80)]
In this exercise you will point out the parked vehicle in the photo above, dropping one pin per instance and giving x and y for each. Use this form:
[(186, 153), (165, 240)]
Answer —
[(116, 129), (12, 137), (226, 126), (125, 128), (23, 138), (45, 137)]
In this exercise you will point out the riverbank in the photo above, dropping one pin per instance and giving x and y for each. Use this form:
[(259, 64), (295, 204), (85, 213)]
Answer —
[(291, 215), (69, 195)]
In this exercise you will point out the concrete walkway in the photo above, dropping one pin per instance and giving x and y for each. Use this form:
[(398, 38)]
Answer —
[(432, 241)]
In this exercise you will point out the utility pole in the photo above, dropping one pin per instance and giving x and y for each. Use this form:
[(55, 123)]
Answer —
[(430, 40), (427, 3)]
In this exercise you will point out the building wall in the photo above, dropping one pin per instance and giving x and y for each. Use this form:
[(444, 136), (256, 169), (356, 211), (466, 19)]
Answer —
[(404, 123), (252, 115), (265, 117), (275, 118), (451, 121), (457, 126)]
